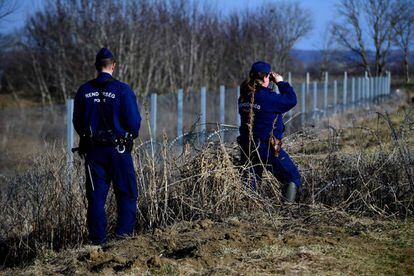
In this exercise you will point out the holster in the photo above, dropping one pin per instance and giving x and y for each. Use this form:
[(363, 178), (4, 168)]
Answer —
[(276, 145), (85, 143)]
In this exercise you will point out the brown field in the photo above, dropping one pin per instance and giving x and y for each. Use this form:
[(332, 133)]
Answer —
[(355, 214)]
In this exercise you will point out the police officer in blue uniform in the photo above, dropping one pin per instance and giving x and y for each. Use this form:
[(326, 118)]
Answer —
[(261, 131), (107, 119)]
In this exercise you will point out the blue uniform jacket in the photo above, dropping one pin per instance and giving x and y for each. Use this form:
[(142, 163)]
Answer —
[(119, 108), (268, 109)]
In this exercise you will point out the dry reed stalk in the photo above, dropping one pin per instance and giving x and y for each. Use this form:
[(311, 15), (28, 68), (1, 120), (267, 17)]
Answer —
[(39, 210)]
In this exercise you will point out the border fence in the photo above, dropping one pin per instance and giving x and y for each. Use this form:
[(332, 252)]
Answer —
[(182, 113), (184, 116), (197, 115)]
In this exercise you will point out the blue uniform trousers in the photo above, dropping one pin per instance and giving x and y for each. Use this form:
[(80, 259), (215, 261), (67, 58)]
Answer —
[(103, 165), (282, 166)]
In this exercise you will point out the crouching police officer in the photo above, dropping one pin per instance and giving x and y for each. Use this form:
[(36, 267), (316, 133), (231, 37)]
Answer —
[(261, 131), (107, 119)]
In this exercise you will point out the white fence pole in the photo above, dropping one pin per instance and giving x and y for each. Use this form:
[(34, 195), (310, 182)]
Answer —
[(353, 91), (372, 88), (335, 95), (303, 103), (315, 99), (69, 138), (153, 121), (222, 108), (345, 94), (307, 83), (203, 114), (290, 112), (366, 94), (325, 94), (237, 106), (389, 82), (180, 103)]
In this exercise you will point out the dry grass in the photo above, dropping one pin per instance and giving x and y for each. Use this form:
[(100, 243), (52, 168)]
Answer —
[(41, 210)]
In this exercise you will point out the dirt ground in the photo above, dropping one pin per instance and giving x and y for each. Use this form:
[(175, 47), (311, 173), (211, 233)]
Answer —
[(298, 239)]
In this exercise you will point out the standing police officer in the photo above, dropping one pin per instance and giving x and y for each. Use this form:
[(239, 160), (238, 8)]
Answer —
[(107, 119), (261, 131)]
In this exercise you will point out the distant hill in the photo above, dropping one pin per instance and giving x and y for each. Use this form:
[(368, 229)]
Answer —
[(308, 57)]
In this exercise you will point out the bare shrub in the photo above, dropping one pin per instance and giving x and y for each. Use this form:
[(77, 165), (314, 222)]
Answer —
[(42, 208)]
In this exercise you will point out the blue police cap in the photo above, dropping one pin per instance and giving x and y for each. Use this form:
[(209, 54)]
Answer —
[(261, 66), (104, 53)]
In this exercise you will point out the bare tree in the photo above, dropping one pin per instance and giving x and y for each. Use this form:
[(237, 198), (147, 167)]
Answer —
[(160, 45), (404, 32), (288, 22), (268, 34), (380, 19), (349, 31), (327, 52), (7, 7)]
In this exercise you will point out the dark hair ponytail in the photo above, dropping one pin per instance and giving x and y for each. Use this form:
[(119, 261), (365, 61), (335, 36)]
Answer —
[(251, 85), (247, 90)]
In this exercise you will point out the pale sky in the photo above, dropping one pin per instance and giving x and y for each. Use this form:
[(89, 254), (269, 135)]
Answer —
[(323, 12)]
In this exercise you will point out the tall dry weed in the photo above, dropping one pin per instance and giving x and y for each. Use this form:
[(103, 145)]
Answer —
[(41, 209)]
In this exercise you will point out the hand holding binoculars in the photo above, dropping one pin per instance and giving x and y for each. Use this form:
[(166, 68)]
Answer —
[(275, 77)]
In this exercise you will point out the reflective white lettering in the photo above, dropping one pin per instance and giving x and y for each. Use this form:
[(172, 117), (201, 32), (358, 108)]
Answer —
[(244, 105), (96, 94)]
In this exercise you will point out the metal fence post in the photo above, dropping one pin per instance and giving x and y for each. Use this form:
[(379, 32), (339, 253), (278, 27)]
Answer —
[(381, 85), (303, 111), (353, 91), (69, 138), (237, 106), (315, 99), (335, 95), (363, 86), (389, 82), (203, 114), (153, 121), (372, 85), (222, 109), (366, 92), (325, 94), (345, 94), (180, 96), (290, 112), (358, 90), (386, 83)]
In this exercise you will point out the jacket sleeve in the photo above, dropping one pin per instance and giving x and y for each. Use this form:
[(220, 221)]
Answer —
[(78, 113), (286, 100), (131, 116)]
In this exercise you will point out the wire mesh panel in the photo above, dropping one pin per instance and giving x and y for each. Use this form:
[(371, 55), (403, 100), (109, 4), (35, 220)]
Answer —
[(213, 108), (231, 106), (167, 111)]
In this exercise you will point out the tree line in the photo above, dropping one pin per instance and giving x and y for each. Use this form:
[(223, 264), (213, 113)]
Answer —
[(164, 45)]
